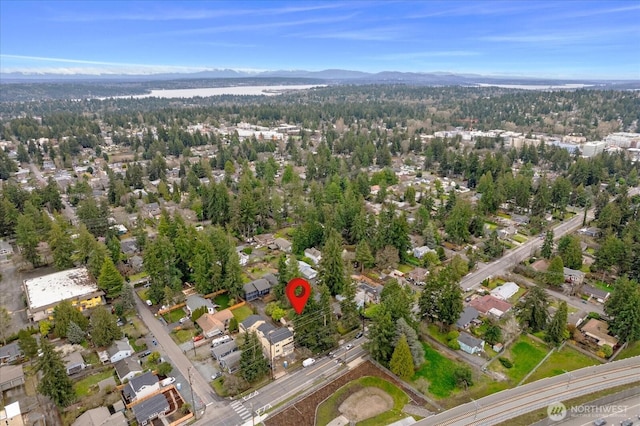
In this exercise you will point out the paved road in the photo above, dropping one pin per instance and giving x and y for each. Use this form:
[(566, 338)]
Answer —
[(511, 403), (518, 254), (613, 413), (204, 394)]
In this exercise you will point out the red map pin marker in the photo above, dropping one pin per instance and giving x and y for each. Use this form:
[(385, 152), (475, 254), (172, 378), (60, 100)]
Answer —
[(298, 301)]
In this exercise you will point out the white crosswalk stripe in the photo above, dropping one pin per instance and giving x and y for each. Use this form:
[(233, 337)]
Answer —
[(241, 410)]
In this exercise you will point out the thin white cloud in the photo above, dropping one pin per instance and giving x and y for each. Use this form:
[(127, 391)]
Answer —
[(41, 65), (421, 55), (480, 8), (181, 14), (577, 13), (369, 34), (562, 37)]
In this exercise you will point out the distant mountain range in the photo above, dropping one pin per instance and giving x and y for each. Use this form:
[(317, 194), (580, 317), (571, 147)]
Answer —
[(337, 75)]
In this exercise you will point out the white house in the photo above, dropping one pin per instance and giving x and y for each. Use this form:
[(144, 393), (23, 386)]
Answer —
[(420, 252), (141, 386), (505, 291), (119, 349), (470, 344), (314, 255)]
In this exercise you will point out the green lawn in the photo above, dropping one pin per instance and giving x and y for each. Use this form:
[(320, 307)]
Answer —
[(136, 277), (143, 294), (182, 336), (567, 359), (242, 313), (438, 370), (434, 332), (405, 268), (174, 316), (633, 349), (371, 311), (602, 286), (222, 300), (83, 387), (525, 354), (519, 238), (328, 410), (514, 299), (503, 215), (491, 226)]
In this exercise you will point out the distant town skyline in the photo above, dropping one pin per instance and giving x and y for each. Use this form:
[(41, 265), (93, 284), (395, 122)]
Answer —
[(558, 39)]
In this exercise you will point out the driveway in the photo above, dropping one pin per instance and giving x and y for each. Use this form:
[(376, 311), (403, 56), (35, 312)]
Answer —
[(204, 396)]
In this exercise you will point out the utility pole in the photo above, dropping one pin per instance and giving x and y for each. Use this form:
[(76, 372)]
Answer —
[(193, 400)]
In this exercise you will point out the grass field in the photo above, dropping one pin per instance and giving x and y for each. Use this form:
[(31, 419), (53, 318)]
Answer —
[(83, 387), (525, 354), (567, 359), (182, 336), (438, 371), (222, 300), (242, 313), (138, 276), (328, 410), (633, 349), (405, 268), (519, 238), (174, 316)]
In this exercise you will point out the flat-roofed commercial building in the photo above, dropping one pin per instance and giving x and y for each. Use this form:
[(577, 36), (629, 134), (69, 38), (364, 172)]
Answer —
[(45, 292)]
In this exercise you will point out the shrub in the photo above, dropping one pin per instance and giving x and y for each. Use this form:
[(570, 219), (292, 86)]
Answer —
[(506, 363), (452, 335), (607, 350), (453, 344)]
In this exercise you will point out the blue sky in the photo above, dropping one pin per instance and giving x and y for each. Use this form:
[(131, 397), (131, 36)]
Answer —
[(564, 39)]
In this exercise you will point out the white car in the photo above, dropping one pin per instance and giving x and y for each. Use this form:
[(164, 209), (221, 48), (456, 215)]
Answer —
[(349, 346), (167, 381), (149, 302)]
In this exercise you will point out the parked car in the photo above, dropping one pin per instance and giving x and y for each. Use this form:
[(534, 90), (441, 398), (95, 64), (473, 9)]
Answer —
[(144, 354), (183, 320), (149, 303), (198, 338), (216, 375), (167, 381), (359, 335), (627, 422)]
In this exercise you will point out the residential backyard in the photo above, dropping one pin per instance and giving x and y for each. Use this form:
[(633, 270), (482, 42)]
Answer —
[(524, 354), (241, 313), (222, 300), (438, 371), (567, 359), (174, 316), (633, 349), (83, 387)]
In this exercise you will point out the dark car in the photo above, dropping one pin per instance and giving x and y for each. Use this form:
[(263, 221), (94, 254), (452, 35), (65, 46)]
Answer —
[(627, 422), (144, 354), (600, 422)]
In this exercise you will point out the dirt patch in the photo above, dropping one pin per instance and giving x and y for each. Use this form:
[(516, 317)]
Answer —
[(303, 412), (366, 403)]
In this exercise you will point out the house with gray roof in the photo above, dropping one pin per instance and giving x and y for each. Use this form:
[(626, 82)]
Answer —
[(10, 353), (11, 376), (150, 409), (127, 369), (573, 276), (220, 351), (141, 386), (469, 314), (119, 349), (595, 293), (74, 363), (470, 344), (256, 289), (231, 362), (101, 416), (194, 302)]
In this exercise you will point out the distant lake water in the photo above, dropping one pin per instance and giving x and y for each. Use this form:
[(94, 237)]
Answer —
[(218, 91)]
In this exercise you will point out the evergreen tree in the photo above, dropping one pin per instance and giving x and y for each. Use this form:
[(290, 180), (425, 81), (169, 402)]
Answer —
[(401, 363), (65, 313), (363, 256), (397, 300), (570, 251), (61, 244), (54, 381), (555, 332), (547, 246), (104, 327), (27, 343), (332, 271), (110, 281), (75, 333), (555, 272), (233, 275), (441, 299), (533, 310), (350, 317), (97, 255), (283, 278), (381, 334), (315, 327), (623, 307), (253, 364), (27, 239), (5, 323), (127, 298), (417, 351)]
